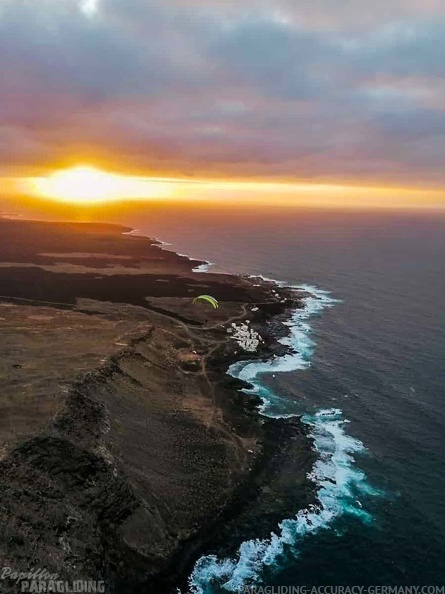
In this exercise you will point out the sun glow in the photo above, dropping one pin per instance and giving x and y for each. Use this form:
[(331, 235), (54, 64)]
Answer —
[(87, 185)]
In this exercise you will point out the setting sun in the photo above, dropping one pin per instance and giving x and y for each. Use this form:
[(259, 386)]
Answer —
[(85, 186), (88, 185)]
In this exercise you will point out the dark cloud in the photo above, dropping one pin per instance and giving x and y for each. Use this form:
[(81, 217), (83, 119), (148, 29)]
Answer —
[(321, 90)]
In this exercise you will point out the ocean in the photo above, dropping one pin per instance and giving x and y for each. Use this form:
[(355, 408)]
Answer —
[(366, 374)]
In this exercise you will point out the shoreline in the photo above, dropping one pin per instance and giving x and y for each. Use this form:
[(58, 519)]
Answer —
[(281, 430), (240, 431)]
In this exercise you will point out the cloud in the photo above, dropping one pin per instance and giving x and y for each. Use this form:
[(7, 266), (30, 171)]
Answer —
[(322, 91)]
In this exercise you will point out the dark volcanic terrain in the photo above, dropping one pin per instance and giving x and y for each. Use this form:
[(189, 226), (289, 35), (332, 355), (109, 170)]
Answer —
[(125, 449)]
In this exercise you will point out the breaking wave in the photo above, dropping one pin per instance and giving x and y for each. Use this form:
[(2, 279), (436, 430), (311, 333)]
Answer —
[(341, 485)]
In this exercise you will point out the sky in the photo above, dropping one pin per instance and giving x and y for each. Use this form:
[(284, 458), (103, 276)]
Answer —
[(326, 92)]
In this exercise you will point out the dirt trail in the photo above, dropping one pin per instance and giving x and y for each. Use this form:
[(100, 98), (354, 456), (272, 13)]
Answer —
[(118, 460)]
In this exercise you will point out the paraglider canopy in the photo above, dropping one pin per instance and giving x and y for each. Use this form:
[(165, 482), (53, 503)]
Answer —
[(207, 298)]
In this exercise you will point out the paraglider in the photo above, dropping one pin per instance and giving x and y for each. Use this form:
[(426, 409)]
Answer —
[(207, 298)]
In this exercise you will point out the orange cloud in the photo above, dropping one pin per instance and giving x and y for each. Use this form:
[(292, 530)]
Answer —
[(294, 92)]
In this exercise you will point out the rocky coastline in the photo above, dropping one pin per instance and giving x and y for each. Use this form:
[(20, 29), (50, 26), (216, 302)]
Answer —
[(127, 450)]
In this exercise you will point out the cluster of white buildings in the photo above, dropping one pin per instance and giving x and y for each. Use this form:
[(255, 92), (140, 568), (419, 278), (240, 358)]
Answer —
[(245, 336)]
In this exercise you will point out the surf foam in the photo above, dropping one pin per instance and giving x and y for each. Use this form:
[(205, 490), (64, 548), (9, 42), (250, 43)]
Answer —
[(204, 267), (340, 483), (301, 345)]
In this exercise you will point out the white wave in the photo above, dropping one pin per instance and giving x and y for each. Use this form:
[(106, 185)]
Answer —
[(340, 483), (163, 245), (203, 267), (301, 348)]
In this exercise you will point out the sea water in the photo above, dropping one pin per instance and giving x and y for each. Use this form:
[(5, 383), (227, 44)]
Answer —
[(366, 375)]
